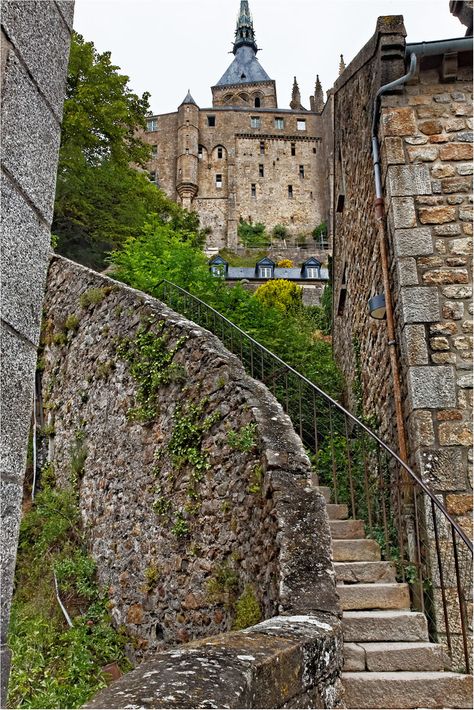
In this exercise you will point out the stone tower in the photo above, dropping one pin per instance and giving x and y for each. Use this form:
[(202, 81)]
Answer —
[(188, 139), (245, 83)]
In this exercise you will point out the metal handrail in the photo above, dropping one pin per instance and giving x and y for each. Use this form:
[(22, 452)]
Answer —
[(333, 403)]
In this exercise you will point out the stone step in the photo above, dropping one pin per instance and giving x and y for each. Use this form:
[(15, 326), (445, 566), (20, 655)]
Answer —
[(325, 492), (337, 511), (365, 572), (387, 625), (355, 551), (394, 656), (347, 529), (405, 689), (374, 596)]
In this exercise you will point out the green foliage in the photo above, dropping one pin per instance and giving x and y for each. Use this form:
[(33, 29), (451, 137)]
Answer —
[(320, 232), (100, 199), (71, 323), (92, 297), (78, 455), (247, 610), (252, 235), (152, 367), (279, 231), (53, 665), (180, 526), (322, 315), (152, 576), (185, 445), (223, 585), (244, 439), (256, 481), (59, 339), (281, 294), (249, 258)]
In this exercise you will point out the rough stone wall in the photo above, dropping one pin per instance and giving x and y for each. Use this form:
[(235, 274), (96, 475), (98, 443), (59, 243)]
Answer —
[(204, 501), (245, 95), (221, 207), (427, 150), (356, 270), (35, 38)]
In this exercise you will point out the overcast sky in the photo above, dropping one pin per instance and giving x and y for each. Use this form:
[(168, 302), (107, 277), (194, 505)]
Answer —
[(168, 46)]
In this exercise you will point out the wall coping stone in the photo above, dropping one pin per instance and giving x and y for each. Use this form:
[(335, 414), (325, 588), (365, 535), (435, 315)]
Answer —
[(266, 665)]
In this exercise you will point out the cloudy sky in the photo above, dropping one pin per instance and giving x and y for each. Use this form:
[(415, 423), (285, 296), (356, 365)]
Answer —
[(168, 46)]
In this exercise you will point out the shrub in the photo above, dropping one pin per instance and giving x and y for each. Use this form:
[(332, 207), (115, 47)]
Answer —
[(252, 235), (283, 295)]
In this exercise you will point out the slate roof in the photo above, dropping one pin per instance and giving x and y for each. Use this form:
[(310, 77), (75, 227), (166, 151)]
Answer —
[(188, 99), (248, 272), (245, 69)]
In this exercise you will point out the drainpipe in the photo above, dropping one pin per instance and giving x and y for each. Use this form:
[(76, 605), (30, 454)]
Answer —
[(413, 51)]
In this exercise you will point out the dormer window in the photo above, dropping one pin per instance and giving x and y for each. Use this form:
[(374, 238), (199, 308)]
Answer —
[(312, 272), (311, 269), (265, 268), (218, 267)]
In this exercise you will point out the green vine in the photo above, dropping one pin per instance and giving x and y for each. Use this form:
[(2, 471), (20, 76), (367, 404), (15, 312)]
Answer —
[(151, 365), (185, 445)]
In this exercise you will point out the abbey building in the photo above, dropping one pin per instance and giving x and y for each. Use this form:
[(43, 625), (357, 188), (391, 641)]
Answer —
[(243, 157)]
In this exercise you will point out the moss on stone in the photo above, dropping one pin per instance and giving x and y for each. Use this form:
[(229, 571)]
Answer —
[(247, 609)]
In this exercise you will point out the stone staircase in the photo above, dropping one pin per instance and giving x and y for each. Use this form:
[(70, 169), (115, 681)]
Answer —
[(388, 659)]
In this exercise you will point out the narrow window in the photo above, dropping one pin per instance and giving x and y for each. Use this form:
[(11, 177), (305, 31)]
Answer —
[(211, 121), (154, 151), (262, 148), (290, 192), (152, 176), (200, 152), (279, 123), (151, 124), (254, 122), (218, 181), (253, 190), (314, 150), (301, 124), (301, 171), (261, 170), (257, 102), (293, 149), (219, 153)]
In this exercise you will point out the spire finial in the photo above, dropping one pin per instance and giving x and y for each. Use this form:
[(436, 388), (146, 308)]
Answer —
[(295, 102), (244, 33), (318, 96), (342, 65)]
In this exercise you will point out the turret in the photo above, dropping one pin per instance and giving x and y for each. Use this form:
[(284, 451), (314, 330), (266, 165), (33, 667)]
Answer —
[(295, 103), (188, 142)]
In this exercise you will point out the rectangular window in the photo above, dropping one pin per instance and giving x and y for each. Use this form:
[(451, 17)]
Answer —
[(293, 149), (301, 124), (154, 151), (290, 192), (262, 148), (312, 272), (152, 176), (218, 181), (254, 121), (151, 124), (219, 153), (200, 152), (265, 272), (261, 170), (253, 190), (218, 270), (301, 171), (279, 122), (211, 121)]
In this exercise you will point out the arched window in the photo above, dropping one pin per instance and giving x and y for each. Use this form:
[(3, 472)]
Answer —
[(257, 102)]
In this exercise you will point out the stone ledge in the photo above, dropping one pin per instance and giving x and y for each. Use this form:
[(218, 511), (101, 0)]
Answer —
[(267, 665)]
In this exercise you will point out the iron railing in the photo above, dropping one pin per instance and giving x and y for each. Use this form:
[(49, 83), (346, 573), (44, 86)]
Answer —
[(432, 553)]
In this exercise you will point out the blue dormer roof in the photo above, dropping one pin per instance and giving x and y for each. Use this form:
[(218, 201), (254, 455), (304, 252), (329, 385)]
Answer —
[(265, 262), (218, 260), (218, 266), (311, 263)]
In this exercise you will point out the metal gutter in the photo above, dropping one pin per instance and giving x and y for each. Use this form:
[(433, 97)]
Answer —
[(431, 49)]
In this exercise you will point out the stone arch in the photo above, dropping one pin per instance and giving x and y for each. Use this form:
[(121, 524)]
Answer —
[(203, 153), (217, 150)]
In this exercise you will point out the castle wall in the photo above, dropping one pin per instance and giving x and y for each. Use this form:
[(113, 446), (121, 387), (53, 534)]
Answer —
[(200, 500), (35, 40), (221, 205)]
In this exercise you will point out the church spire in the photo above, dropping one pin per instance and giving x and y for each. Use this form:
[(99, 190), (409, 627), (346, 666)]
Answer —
[(342, 65), (318, 96), (295, 102), (244, 33)]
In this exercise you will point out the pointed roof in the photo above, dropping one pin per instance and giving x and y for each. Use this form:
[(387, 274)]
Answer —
[(188, 99), (244, 33), (245, 69), (295, 103), (342, 65), (318, 96)]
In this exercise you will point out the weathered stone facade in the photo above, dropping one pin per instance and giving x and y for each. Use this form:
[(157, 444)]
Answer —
[(202, 503), (35, 38), (243, 158)]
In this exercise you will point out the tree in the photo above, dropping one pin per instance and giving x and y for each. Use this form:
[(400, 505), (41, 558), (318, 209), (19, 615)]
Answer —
[(252, 235), (279, 231), (101, 200), (283, 295)]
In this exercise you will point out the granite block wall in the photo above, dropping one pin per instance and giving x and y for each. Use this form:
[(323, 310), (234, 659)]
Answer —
[(35, 38)]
